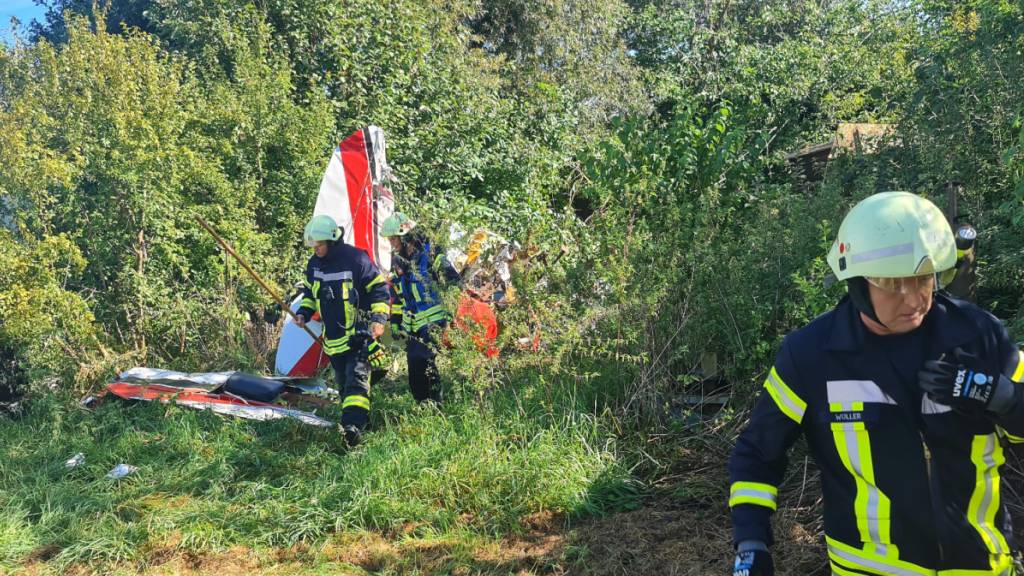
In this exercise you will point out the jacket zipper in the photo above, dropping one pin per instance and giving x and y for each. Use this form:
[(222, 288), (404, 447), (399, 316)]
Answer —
[(931, 495)]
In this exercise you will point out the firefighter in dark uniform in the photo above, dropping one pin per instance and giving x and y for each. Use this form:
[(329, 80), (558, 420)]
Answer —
[(351, 295), (905, 397), (418, 313)]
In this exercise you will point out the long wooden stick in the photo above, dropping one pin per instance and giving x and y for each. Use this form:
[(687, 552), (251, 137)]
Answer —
[(256, 276)]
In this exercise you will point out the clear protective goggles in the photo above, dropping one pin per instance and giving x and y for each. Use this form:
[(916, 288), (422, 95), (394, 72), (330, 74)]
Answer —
[(905, 285)]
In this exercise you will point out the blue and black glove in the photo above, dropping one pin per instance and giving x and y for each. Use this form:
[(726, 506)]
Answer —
[(966, 385), (753, 559)]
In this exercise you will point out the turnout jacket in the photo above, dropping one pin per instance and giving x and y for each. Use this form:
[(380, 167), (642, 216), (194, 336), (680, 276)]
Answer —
[(910, 486), (340, 287), (416, 300)]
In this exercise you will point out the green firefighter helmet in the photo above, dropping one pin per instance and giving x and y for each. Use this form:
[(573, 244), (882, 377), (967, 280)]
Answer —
[(397, 224), (319, 229), (893, 235)]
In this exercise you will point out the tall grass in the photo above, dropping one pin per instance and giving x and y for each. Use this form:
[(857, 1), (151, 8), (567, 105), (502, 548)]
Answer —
[(206, 483)]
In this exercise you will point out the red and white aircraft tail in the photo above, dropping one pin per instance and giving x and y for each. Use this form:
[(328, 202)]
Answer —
[(354, 193)]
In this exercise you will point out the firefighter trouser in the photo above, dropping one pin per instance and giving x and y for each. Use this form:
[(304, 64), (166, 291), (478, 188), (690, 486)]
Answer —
[(352, 377), (377, 376), (421, 353)]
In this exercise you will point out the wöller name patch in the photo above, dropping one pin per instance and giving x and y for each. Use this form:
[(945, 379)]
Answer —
[(857, 416)]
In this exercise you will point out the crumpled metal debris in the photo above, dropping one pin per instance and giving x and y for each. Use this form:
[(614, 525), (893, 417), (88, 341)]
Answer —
[(120, 471), (75, 461)]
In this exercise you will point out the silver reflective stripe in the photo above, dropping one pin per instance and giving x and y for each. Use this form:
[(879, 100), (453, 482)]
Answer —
[(988, 476), (346, 275), (887, 252), (856, 391), (753, 494), (929, 406), (882, 567), (782, 395)]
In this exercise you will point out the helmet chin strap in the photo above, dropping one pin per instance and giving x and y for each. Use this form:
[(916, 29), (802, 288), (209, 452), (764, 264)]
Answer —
[(857, 287)]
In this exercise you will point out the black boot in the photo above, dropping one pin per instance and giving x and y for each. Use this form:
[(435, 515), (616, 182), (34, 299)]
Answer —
[(353, 435)]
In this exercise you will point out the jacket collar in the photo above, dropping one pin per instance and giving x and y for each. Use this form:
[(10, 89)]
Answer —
[(948, 326)]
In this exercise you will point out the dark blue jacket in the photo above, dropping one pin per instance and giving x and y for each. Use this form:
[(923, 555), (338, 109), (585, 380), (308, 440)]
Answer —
[(910, 486), (345, 287), (417, 287)]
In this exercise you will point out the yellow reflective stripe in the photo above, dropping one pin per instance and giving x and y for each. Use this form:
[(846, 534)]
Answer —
[(357, 401), (987, 456), (432, 313), (350, 317), (420, 323), (1013, 439), (787, 400), (307, 303), (1018, 373), (315, 289), (753, 493), (438, 261), (378, 280), (336, 345), (872, 508), (864, 561), (305, 282), (380, 308), (416, 293), (838, 570)]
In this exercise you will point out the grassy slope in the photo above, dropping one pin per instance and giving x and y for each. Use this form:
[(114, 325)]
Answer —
[(466, 480)]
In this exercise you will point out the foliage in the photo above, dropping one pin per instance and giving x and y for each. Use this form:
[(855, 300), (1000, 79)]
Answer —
[(49, 328), (119, 16), (634, 149), (791, 68), (117, 146), (963, 124)]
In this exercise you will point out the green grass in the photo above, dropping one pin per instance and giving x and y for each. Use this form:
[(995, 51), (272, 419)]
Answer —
[(207, 483)]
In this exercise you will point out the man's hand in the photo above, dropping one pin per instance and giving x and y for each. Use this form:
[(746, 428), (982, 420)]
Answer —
[(376, 330), (966, 385), (753, 559)]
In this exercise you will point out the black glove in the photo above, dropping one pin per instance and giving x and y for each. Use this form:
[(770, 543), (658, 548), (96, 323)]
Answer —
[(375, 354), (753, 563), (966, 385)]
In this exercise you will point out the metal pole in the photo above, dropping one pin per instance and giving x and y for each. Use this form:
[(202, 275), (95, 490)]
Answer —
[(256, 277), (953, 191)]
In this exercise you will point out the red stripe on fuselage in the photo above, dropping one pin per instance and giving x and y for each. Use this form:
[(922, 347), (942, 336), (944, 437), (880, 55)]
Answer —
[(360, 193), (313, 359), (164, 393)]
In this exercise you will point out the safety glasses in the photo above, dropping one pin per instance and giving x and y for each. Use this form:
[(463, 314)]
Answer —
[(906, 285)]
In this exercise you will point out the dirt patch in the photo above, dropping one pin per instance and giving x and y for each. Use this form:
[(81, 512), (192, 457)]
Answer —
[(665, 538)]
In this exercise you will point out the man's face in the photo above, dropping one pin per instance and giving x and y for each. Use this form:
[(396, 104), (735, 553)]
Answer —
[(320, 249), (396, 243), (902, 303)]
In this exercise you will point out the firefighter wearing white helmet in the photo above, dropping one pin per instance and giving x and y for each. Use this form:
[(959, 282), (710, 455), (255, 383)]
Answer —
[(905, 397), (344, 286), (418, 312)]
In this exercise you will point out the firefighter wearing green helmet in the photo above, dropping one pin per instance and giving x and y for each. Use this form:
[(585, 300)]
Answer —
[(418, 312), (905, 397), (348, 291)]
